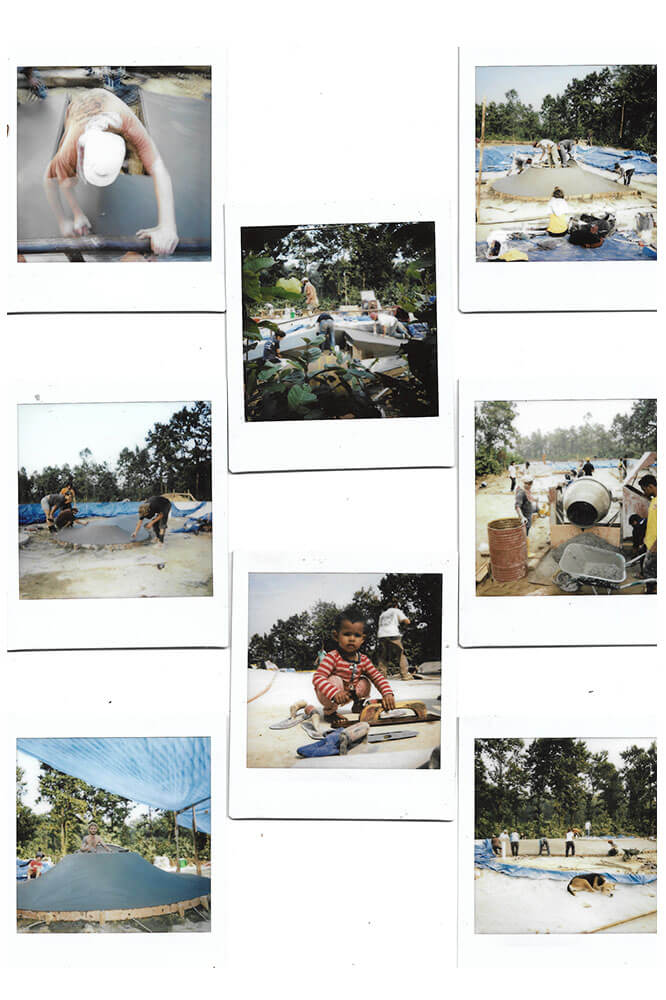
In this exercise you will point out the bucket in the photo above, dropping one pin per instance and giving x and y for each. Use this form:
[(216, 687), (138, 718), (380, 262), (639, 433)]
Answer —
[(507, 541)]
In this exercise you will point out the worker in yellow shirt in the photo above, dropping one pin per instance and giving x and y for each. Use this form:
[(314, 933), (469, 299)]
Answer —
[(649, 486)]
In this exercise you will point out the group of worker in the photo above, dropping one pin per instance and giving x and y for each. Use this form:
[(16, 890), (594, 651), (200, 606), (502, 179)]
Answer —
[(60, 512)]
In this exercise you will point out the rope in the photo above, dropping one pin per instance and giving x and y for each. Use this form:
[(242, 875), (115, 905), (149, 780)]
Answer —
[(628, 920), (147, 929), (267, 688)]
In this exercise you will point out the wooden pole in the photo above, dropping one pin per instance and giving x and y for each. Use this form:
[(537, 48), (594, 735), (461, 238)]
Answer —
[(478, 180), (622, 120), (194, 840), (175, 827)]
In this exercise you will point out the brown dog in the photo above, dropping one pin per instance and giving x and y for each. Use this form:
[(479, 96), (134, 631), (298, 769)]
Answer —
[(590, 883)]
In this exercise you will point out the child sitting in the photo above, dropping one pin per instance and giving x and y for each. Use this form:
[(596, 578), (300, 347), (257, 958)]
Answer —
[(345, 674), (35, 866)]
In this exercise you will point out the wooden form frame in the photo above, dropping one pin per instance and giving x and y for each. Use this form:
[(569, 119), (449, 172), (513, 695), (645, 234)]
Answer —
[(102, 916)]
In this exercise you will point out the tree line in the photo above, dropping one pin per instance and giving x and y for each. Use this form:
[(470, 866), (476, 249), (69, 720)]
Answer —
[(176, 458), (296, 641), (614, 106), (73, 804), (497, 441), (543, 787)]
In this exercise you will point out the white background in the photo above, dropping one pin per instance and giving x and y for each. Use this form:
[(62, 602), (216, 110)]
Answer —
[(359, 99)]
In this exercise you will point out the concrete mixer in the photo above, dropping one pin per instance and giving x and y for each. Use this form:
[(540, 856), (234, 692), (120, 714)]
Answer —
[(586, 501)]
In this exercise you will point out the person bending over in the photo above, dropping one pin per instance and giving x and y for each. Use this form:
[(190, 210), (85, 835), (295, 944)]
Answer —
[(92, 841), (625, 172), (51, 503), (67, 519), (345, 674), (157, 510), (98, 125)]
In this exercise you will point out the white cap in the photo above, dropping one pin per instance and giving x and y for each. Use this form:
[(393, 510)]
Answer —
[(103, 154)]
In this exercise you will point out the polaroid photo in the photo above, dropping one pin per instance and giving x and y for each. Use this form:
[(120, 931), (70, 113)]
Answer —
[(342, 687), (558, 499), (557, 841), (121, 492), (558, 168), (339, 337), (117, 833), (116, 164)]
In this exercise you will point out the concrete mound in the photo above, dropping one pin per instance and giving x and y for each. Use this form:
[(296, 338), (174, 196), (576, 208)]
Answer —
[(536, 184), (99, 882), (101, 531)]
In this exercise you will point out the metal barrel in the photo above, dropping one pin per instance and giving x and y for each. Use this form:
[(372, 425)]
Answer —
[(507, 541), (586, 501)]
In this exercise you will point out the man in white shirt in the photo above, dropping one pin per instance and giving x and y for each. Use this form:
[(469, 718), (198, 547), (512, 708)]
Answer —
[(588, 827), (512, 476), (504, 839), (547, 150), (390, 650), (515, 840), (569, 846)]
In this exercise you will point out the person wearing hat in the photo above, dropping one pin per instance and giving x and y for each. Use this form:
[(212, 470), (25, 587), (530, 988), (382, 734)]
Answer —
[(98, 128), (525, 503), (158, 510)]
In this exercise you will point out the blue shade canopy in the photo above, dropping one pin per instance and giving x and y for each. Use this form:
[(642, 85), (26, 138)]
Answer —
[(169, 772), (202, 815)]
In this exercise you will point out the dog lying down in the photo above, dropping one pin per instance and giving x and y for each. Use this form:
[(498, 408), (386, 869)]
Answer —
[(590, 883)]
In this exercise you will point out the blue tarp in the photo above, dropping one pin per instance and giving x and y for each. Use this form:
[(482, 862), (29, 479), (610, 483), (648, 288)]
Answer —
[(164, 772), (485, 857), (32, 513), (499, 158), (615, 247), (193, 524), (597, 156)]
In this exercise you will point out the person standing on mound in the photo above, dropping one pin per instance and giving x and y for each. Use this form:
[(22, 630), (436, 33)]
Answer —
[(345, 674), (158, 510), (98, 127), (92, 841)]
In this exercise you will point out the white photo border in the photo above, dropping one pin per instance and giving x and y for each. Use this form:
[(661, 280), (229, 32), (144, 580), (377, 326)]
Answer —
[(401, 442), (578, 620), (529, 949), (172, 286), (354, 793), (131, 622), (544, 287)]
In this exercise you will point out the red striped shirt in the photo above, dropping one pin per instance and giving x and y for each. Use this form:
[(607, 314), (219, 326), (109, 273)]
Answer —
[(335, 665)]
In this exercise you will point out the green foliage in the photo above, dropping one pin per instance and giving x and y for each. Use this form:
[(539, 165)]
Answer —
[(296, 641), (552, 784), (614, 106), (494, 434), (73, 804), (177, 457)]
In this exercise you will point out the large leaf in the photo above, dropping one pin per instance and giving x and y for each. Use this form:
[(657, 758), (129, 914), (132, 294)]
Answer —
[(290, 285), (253, 265), (300, 396)]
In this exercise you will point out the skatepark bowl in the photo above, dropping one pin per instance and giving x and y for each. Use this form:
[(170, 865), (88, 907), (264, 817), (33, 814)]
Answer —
[(179, 125), (528, 894), (111, 887)]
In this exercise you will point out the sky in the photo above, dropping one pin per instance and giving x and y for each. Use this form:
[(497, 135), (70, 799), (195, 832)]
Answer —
[(531, 82), (548, 415), (279, 595), (54, 434), (30, 766), (614, 747)]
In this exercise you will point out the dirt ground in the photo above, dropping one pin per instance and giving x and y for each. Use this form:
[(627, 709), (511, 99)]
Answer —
[(194, 922), (182, 567), (495, 501), (277, 748)]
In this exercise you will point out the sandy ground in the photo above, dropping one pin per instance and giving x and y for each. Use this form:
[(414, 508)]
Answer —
[(504, 905), (277, 748), (182, 567), (495, 501)]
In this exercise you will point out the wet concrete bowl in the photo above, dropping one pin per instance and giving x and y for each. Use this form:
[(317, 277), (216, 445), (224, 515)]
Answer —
[(109, 533)]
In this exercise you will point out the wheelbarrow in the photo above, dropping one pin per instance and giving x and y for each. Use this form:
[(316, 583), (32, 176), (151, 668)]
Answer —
[(603, 571)]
